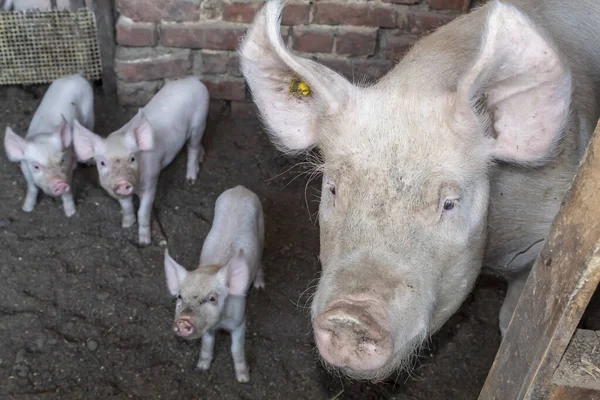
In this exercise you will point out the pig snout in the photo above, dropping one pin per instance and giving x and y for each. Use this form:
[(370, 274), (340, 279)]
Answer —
[(123, 188), (183, 327), (354, 335), (60, 187)]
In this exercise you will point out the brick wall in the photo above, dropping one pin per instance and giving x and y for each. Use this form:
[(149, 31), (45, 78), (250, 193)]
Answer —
[(163, 39)]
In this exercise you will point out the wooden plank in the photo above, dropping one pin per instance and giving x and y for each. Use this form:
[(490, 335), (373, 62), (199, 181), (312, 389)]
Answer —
[(578, 374), (559, 287), (104, 11)]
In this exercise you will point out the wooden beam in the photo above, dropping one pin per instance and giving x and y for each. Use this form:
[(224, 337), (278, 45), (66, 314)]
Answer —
[(578, 374), (104, 11), (560, 285)]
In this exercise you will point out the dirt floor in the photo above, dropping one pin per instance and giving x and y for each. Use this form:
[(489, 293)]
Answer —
[(84, 312)]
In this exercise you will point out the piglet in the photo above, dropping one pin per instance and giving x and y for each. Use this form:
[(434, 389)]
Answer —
[(213, 296), (130, 160), (46, 154)]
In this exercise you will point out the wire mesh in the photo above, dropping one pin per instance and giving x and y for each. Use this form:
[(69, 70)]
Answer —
[(39, 46)]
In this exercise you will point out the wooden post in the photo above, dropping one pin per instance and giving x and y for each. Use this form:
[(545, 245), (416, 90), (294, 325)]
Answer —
[(104, 12), (560, 285)]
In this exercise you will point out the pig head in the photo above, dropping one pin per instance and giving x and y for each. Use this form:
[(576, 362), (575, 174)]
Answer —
[(47, 156), (116, 156), (405, 167)]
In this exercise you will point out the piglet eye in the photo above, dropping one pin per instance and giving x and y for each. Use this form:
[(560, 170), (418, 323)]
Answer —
[(212, 298), (36, 166), (132, 159), (102, 163), (448, 205)]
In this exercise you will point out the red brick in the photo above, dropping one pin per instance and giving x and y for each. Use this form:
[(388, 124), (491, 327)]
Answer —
[(215, 62), (243, 110), (131, 33), (394, 45), (449, 4), (356, 42), (138, 93), (312, 40), (240, 12), (357, 70), (295, 14), (211, 9), (360, 14), (226, 89), (234, 65), (426, 22), (202, 35), (157, 10), (148, 64)]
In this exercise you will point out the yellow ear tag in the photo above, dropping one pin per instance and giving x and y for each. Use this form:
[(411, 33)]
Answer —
[(299, 87)]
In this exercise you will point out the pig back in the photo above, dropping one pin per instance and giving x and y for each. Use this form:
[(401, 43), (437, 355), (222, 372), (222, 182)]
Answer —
[(71, 96), (178, 108), (237, 224)]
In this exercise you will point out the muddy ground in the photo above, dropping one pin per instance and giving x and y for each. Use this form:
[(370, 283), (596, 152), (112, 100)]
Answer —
[(84, 312)]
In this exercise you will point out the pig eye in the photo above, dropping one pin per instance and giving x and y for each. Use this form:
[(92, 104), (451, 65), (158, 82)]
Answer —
[(102, 163), (212, 298), (36, 166), (132, 159), (449, 204)]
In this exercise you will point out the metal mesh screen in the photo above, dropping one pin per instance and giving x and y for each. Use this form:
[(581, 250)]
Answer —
[(41, 46)]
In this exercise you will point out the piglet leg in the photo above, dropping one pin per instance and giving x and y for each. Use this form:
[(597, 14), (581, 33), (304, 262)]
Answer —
[(238, 337), (206, 352), (127, 210), (32, 190), (68, 204), (195, 153), (144, 213)]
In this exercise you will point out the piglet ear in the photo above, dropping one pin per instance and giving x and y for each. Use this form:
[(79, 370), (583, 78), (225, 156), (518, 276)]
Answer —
[(144, 135), (238, 274), (174, 273), (14, 145), (65, 132), (85, 141)]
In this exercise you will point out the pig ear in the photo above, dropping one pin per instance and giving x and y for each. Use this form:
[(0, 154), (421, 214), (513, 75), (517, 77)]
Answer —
[(175, 274), (524, 84), (144, 136), (65, 132), (290, 92), (14, 145), (238, 274), (85, 142)]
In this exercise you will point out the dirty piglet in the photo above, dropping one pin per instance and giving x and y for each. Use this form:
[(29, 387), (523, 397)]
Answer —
[(130, 159), (213, 296), (45, 154)]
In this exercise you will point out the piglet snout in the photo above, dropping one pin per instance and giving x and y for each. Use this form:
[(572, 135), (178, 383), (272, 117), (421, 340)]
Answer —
[(349, 335), (183, 327), (60, 188), (124, 188)]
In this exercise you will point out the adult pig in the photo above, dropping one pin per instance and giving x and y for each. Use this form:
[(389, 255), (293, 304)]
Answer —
[(213, 296), (457, 158), (130, 159), (45, 154)]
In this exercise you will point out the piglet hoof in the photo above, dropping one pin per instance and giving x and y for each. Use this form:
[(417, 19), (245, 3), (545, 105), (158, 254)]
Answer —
[(127, 221), (69, 212), (190, 181), (144, 237), (28, 207), (242, 374), (203, 365)]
